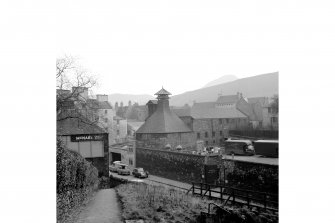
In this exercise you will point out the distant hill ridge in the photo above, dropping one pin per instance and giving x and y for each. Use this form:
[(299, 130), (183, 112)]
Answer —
[(221, 80), (139, 98), (256, 86)]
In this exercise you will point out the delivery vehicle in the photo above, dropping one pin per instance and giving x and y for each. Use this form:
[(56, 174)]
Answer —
[(239, 147), (268, 148), (123, 169), (140, 173)]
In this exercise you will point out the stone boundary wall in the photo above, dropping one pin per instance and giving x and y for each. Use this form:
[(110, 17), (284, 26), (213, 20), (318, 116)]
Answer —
[(188, 168), (172, 165), (252, 176)]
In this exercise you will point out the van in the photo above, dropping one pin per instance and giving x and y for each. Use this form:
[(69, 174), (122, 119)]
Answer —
[(239, 147), (267, 148)]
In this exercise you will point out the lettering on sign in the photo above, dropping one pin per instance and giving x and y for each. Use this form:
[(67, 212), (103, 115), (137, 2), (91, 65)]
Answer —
[(87, 137)]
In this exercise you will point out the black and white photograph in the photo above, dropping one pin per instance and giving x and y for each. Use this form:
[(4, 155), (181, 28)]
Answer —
[(168, 111)]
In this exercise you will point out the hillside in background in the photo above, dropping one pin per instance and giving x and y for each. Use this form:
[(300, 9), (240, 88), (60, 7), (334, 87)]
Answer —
[(221, 80), (256, 86), (141, 99)]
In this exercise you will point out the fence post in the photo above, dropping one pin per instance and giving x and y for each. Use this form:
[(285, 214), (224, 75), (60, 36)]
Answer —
[(209, 188), (221, 193), (233, 196), (201, 189)]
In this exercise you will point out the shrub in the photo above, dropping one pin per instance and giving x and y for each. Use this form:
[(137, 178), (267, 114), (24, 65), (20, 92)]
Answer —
[(77, 179)]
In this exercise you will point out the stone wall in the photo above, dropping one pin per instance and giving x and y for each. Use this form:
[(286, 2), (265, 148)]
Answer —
[(189, 168), (160, 140), (211, 125), (172, 165), (252, 176)]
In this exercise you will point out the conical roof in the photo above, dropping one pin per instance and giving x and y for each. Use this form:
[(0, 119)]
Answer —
[(163, 120), (163, 92)]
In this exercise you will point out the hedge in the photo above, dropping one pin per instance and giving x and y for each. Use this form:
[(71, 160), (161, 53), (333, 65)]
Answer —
[(77, 179)]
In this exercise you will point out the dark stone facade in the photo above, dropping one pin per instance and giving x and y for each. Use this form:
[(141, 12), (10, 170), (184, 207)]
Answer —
[(172, 165), (102, 163)]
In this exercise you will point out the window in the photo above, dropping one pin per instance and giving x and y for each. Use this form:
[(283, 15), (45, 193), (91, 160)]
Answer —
[(213, 134), (206, 134), (130, 149), (106, 111), (220, 133), (220, 121), (130, 161), (213, 141), (206, 143), (198, 135)]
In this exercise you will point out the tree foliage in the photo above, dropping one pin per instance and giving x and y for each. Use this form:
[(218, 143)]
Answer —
[(71, 82), (275, 104)]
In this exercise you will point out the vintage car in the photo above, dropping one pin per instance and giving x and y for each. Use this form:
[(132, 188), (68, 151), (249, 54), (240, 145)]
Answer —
[(140, 173), (115, 166), (123, 169), (239, 147)]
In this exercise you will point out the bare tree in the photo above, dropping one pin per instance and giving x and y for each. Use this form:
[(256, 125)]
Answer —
[(275, 104), (72, 81)]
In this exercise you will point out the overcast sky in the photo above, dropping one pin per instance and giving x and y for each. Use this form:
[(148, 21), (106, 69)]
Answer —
[(137, 46)]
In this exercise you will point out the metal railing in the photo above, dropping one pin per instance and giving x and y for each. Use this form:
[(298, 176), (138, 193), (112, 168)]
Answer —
[(235, 195)]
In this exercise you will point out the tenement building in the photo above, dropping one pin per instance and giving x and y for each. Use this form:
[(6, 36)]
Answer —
[(163, 129)]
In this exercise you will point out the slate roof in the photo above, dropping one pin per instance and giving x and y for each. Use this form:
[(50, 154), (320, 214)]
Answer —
[(200, 113), (135, 125), (227, 99), (163, 92), (152, 102), (203, 112), (163, 120), (99, 104), (75, 126), (262, 100)]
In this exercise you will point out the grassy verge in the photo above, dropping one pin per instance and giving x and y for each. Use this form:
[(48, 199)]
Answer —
[(164, 204), (158, 203)]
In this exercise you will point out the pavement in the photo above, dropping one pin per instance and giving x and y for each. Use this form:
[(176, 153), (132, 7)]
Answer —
[(103, 208), (156, 180), (254, 159)]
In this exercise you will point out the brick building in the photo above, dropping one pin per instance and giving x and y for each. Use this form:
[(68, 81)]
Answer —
[(163, 129)]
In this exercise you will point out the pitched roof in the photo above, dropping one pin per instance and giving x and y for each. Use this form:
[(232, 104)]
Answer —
[(262, 100), (204, 105), (75, 126), (152, 102), (163, 92), (227, 99), (135, 125), (181, 112), (99, 104), (163, 120), (200, 113)]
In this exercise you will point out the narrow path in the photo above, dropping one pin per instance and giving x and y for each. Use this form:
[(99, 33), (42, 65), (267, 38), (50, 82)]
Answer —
[(103, 208)]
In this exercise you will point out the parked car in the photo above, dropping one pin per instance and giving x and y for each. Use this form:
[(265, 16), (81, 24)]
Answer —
[(123, 169), (239, 147), (115, 166), (140, 173)]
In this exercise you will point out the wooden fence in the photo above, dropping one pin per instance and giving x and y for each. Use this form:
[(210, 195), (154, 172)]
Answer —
[(235, 195)]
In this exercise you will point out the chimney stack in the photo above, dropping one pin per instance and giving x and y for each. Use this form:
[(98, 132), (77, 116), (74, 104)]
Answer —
[(102, 97)]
